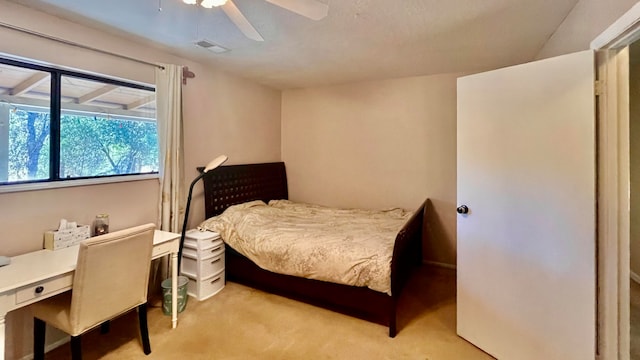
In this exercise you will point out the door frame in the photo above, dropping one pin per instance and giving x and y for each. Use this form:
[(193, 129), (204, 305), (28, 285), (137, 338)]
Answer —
[(613, 184)]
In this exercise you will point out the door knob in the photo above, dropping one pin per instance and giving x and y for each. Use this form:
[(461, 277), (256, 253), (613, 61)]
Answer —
[(463, 209)]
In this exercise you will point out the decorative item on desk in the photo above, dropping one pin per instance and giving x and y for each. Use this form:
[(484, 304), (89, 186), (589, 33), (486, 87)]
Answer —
[(69, 233), (101, 224)]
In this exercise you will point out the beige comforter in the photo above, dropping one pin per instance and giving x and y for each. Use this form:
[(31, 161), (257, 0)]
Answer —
[(345, 246)]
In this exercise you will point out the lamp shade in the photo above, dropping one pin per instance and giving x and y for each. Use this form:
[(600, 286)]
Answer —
[(215, 163)]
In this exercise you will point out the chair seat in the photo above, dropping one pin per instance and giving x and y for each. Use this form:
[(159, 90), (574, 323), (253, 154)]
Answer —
[(56, 312)]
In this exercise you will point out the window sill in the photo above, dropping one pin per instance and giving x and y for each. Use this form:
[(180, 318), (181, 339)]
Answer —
[(72, 183)]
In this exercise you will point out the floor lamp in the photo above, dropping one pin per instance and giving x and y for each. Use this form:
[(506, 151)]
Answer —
[(210, 166)]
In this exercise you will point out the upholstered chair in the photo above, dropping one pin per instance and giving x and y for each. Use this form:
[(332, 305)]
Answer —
[(110, 279)]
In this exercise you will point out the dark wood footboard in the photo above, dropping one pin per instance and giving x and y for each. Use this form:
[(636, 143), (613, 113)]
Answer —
[(407, 254), (230, 185)]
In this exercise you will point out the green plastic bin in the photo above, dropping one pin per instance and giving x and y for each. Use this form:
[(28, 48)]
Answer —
[(182, 294)]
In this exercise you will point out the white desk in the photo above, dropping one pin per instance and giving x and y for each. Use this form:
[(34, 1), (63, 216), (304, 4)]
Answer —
[(41, 274)]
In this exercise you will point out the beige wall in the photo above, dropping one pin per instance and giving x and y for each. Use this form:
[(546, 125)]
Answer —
[(227, 115), (586, 21), (375, 145), (222, 114)]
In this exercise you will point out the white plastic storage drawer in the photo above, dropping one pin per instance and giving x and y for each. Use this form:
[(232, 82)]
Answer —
[(207, 287), (213, 251), (189, 265), (201, 254), (189, 253), (202, 268), (212, 265), (201, 240)]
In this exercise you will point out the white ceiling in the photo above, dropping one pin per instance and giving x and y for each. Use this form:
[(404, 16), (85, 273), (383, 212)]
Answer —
[(359, 39)]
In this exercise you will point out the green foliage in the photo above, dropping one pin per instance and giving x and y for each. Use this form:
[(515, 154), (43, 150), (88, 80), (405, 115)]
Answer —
[(28, 145), (89, 146)]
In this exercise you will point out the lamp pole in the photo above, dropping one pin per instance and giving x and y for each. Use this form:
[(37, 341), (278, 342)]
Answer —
[(210, 166)]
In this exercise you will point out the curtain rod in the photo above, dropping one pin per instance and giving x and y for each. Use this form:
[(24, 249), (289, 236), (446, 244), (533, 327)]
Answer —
[(71, 43)]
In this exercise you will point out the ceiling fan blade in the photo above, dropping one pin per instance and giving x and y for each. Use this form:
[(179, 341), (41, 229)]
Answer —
[(241, 22), (308, 8)]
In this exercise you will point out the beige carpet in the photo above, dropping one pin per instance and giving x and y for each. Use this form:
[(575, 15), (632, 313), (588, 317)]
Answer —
[(242, 323)]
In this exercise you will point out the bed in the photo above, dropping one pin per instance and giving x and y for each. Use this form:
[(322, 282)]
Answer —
[(227, 186)]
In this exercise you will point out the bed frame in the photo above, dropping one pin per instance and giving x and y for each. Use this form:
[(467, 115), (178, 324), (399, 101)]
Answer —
[(235, 184)]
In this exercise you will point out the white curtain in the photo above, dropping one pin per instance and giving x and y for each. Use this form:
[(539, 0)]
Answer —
[(171, 169), (170, 139)]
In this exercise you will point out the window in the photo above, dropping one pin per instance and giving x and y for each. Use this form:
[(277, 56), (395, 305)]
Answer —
[(58, 125)]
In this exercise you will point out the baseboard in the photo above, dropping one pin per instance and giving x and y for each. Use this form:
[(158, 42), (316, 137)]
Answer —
[(49, 347), (440, 264), (634, 277)]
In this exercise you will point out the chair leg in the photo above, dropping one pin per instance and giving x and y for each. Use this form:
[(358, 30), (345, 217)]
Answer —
[(105, 327), (144, 329), (39, 329), (76, 348)]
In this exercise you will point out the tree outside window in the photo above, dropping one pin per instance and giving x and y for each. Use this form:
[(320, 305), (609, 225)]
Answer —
[(105, 127)]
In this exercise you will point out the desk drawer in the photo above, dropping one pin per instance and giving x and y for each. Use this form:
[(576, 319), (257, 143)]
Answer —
[(44, 288), (164, 249)]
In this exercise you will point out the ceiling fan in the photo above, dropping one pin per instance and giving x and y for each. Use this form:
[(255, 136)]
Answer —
[(311, 9)]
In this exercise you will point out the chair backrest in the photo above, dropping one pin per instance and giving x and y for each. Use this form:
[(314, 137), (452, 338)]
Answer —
[(111, 276)]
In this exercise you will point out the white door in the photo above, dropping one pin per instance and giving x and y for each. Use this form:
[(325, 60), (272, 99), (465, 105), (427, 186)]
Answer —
[(526, 172)]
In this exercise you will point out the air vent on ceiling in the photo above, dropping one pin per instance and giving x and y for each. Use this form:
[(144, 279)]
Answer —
[(206, 44)]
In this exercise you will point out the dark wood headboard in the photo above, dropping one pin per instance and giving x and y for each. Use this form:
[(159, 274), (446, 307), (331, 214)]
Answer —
[(236, 184)]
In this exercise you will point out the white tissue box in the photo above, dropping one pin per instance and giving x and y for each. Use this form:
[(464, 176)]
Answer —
[(60, 239)]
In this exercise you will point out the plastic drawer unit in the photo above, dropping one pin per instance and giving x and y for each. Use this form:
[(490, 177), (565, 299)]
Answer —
[(203, 263)]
